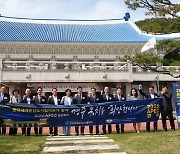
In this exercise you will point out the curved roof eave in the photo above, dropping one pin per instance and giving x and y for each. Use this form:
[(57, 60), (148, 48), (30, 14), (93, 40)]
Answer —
[(72, 31)]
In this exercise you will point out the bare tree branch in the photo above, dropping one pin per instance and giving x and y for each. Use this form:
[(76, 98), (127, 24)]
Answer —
[(166, 2), (149, 67), (156, 6)]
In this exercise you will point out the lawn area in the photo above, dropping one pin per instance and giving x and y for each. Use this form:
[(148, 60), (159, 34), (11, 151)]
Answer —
[(21, 144), (145, 143), (132, 143)]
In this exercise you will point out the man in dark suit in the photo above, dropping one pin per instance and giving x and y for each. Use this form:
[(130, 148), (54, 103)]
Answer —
[(166, 108), (54, 100), (119, 97), (27, 99), (107, 97), (80, 98), (150, 94), (4, 98), (94, 98), (39, 99)]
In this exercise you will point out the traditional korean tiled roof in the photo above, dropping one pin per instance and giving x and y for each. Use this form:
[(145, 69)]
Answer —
[(80, 31)]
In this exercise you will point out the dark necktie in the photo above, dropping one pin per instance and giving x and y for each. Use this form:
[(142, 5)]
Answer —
[(94, 98), (39, 99), (119, 97), (107, 97)]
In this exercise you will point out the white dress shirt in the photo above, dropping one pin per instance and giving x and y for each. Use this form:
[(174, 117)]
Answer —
[(28, 100), (152, 95), (55, 100), (107, 97), (80, 95), (119, 97), (2, 95), (39, 98)]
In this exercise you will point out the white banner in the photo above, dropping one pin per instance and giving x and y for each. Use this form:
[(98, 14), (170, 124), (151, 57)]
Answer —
[(61, 87)]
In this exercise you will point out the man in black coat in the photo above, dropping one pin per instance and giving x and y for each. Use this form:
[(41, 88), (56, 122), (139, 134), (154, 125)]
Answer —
[(54, 100), (166, 108), (27, 99), (4, 98), (150, 94), (107, 97), (39, 99), (119, 97), (80, 98), (93, 99)]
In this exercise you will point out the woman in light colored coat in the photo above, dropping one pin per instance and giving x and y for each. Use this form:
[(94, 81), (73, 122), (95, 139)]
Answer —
[(67, 100), (134, 96), (15, 98)]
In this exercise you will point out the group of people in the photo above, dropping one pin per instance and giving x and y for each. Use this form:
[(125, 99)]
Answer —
[(82, 98)]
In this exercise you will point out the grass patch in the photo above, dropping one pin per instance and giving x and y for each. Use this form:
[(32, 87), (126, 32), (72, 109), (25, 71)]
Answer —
[(132, 143), (21, 144), (153, 142)]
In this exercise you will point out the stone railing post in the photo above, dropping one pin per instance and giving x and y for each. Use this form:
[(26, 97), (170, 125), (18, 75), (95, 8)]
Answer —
[(130, 70)]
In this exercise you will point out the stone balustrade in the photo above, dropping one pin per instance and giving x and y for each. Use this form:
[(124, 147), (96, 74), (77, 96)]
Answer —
[(64, 66), (173, 69)]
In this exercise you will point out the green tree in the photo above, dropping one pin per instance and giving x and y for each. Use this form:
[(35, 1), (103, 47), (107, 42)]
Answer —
[(169, 48), (160, 25), (150, 60), (171, 51), (157, 7)]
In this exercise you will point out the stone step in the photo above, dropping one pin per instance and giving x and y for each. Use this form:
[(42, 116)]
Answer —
[(80, 148), (64, 136), (111, 153), (79, 141), (74, 138)]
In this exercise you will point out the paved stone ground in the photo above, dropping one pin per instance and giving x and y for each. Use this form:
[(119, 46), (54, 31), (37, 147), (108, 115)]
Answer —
[(81, 144), (128, 127)]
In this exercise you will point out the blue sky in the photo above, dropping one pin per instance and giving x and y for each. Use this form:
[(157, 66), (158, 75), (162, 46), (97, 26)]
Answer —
[(69, 9)]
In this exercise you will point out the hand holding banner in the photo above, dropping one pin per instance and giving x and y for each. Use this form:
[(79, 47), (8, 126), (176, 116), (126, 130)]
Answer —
[(88, 114)]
